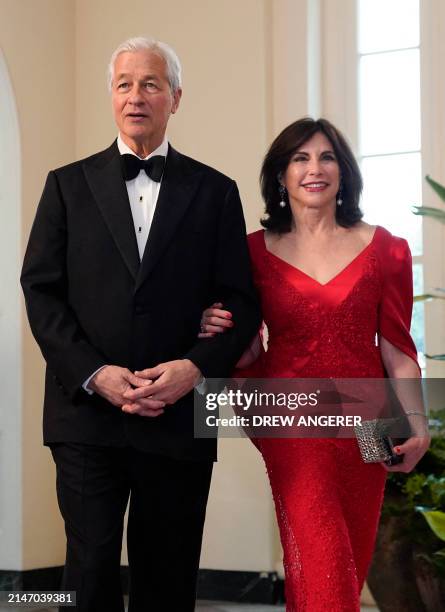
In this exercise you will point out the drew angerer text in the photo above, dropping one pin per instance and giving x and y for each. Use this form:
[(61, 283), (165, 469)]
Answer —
[(289, 420)]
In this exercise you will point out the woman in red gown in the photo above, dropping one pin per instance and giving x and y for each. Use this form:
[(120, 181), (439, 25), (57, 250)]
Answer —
[(329, 286)]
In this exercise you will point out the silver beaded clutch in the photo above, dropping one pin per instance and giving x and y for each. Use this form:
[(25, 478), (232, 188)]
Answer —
[(373, 441)]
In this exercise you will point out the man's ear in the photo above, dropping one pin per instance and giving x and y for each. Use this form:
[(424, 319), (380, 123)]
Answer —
[(176, 99)]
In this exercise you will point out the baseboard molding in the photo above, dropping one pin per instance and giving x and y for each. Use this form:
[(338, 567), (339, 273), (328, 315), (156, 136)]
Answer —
[(243, 587), (221, 585), (45, 579)]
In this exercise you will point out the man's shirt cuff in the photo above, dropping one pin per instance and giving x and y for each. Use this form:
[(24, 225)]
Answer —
[(85, 384)]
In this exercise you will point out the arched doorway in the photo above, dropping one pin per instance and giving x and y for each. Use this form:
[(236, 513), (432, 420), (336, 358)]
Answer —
[(10, 329)]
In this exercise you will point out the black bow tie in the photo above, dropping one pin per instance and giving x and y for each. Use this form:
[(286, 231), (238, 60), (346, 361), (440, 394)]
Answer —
[(132, 165)]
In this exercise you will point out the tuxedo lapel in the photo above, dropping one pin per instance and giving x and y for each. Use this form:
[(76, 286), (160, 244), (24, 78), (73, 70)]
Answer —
[(104, 177), (178, 187)]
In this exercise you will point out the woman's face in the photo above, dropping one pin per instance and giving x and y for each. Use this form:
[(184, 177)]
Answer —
[(312, 177)]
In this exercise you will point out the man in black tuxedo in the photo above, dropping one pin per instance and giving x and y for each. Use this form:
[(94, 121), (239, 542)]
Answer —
[(123, 257)]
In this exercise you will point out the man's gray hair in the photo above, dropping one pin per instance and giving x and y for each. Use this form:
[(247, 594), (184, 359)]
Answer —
[(140, 43)]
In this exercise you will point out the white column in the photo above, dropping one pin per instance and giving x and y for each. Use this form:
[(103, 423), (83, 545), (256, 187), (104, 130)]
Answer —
[(290, 66), (339, 66), (432, 56), (10, 331)]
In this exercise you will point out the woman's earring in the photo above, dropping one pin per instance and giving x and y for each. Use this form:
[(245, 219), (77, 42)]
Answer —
[(339, 195), (282, 191)]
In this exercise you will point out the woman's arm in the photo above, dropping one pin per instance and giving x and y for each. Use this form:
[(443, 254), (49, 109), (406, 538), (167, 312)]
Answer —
[(399, 367), (215, 320)]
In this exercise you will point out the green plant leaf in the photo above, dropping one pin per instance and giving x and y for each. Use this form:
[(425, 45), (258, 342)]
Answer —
[(435, 519), (413, 487), (437, 187), (429, 211), (423, 297)]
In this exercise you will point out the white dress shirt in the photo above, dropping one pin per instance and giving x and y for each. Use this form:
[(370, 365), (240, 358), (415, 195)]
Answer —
[(143, 195)]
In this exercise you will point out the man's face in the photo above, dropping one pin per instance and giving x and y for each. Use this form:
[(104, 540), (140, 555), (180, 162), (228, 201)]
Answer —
[(142, 99)]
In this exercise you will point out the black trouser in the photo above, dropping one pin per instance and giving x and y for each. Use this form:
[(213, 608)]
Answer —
[(165, 524)]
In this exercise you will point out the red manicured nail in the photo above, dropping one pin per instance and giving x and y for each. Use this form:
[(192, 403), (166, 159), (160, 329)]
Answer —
[(397, 449)]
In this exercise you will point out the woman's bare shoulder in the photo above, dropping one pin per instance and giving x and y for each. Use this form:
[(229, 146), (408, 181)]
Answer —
[(363, 232)]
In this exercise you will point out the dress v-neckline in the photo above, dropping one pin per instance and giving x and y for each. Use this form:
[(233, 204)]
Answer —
[(311, 278)]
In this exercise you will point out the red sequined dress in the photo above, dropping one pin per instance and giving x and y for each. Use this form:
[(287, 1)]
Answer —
[(327, 500)]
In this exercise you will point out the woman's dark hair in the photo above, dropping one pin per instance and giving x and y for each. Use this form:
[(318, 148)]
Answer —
[(278, 157)]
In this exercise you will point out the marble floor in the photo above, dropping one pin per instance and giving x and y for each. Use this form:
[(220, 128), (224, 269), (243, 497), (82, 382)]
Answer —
[(202, 606)]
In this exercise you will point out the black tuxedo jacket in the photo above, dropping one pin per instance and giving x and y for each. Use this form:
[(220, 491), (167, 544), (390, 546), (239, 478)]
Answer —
[(91, 302)]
